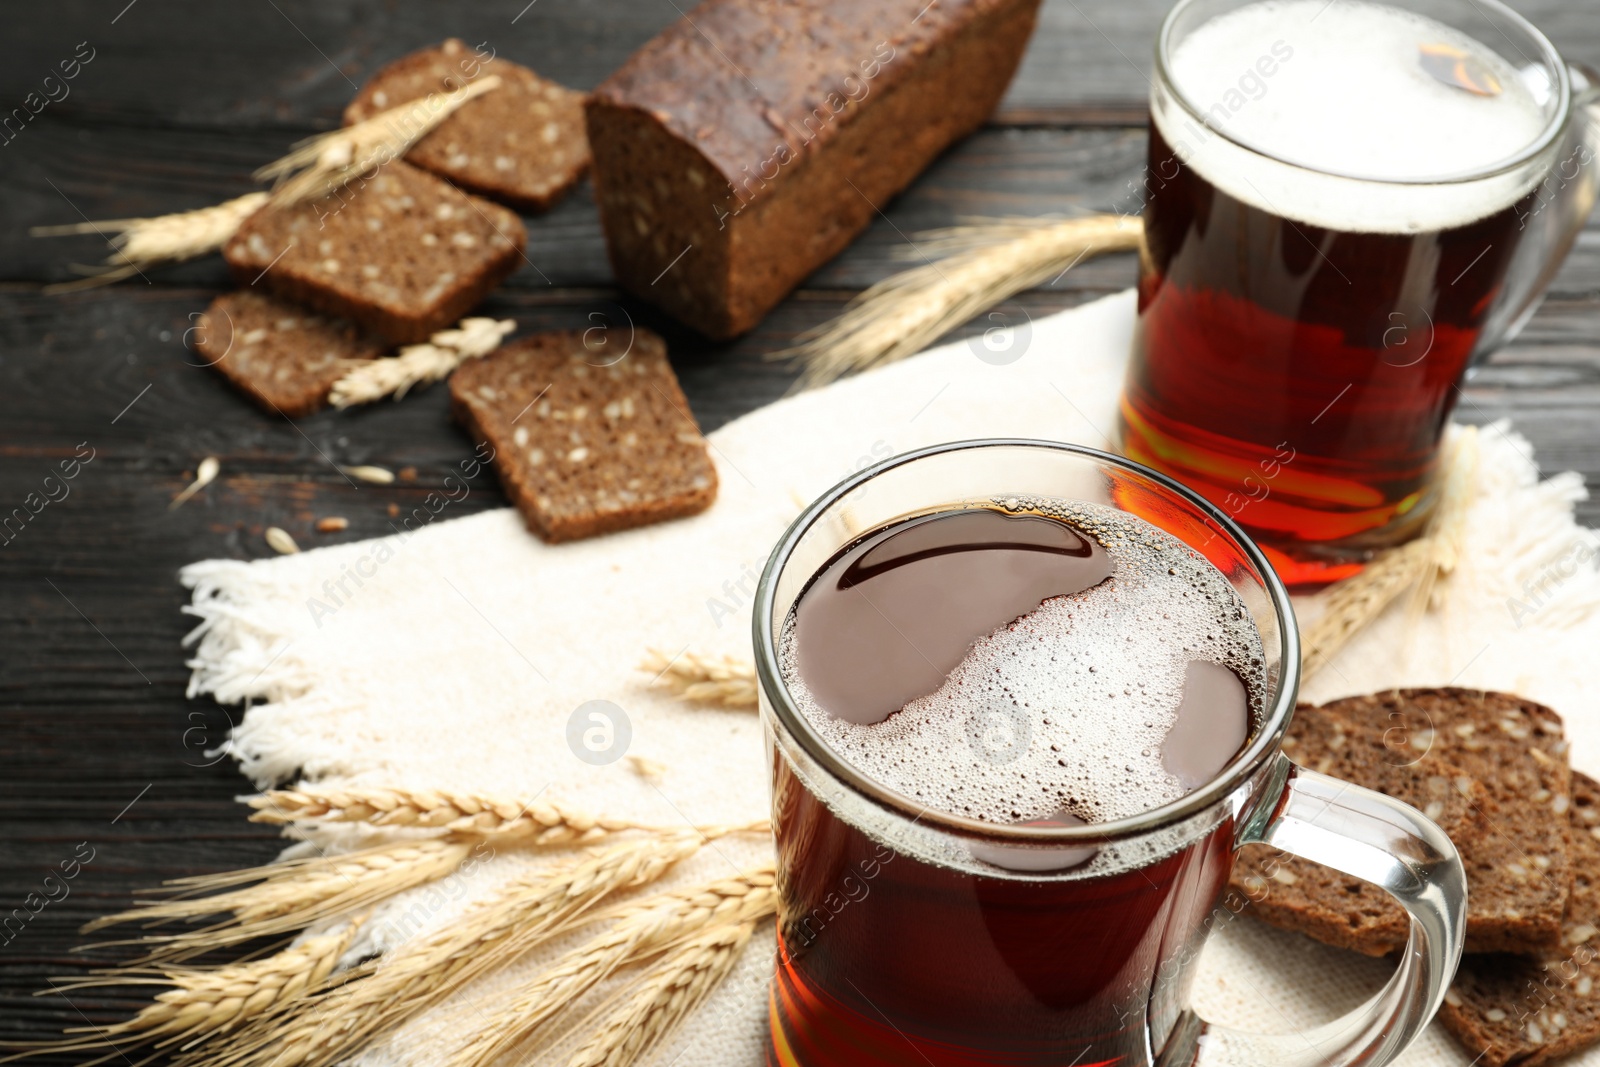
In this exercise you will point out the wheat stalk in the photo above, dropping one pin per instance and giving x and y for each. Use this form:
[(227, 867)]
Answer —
[(313, 167), (720, 680), (202, 1002), (319, 165), (420, 364), (644, 929), (206, 1002), (149, 242), (668, 993), (976, 233), (532, 822), (902, 314), (1419, 564), (289, 896), (323, 1029)]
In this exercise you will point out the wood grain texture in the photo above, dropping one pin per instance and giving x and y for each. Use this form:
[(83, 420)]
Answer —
[(997, 171), (1090, 60), (182, 99)]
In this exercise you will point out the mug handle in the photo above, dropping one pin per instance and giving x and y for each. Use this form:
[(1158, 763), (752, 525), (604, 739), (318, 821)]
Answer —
[(1562, 203), (1373, 837)]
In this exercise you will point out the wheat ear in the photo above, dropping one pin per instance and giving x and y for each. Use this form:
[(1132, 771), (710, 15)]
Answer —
[(322, 1030), (1418, 564), (977, 233), (321, 164), (205, 1002), (420, 364), (532, 822), (720, 680), (289, 896), (141, 243), (667, 994), (644, 929), (902, 314)]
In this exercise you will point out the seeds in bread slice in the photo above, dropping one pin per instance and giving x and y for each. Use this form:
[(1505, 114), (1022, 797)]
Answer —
[(586, 443), (1515, 1010), (1513, 841), (522, 144), (1516, 849), (401, 252), (282, 356), (1322, 903)]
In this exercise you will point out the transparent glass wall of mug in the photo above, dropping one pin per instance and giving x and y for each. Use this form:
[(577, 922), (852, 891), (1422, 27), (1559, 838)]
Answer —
[(1346, 205), (909, 935)]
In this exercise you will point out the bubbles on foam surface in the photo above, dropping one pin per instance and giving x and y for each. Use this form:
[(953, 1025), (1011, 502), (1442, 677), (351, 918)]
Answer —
[(1066, 708), (1346, 93), (1352, 93)]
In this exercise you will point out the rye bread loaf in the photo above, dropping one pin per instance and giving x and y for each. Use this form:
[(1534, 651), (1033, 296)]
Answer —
[(586, 440), (1515, 1010), (402, 253), (1506, 754), (749, 142), (282, 356), (522, 144)]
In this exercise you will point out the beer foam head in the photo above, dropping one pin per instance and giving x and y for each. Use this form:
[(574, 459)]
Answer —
[(1342, 88), (1064, 710)]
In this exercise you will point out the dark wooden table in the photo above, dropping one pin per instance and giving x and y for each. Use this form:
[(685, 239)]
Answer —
[(181, 100)]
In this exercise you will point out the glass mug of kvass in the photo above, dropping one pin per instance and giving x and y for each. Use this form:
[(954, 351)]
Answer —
[(1024, 702), (1347, 205)]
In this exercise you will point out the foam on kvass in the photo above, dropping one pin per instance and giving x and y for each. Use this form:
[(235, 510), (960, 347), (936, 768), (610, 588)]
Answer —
[(1068, 712)]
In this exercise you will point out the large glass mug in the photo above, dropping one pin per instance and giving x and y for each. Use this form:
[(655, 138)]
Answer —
[(1302, 332), (911, 936)]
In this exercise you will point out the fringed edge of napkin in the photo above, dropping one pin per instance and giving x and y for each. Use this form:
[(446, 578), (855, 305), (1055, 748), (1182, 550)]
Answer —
[(243, 653)]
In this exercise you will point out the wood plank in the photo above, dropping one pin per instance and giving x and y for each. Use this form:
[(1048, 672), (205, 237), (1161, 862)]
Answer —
[(307, 58), (998, 171), (94, 354), (1089, 60)]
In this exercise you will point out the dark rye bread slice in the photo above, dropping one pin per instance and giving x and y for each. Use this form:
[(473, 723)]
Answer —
[(752, 140), (586, 443), (402, 253), (1322, 903), (522, 144), (1515, 1010), (1513, 841), (282, 356), (1516, 849)]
